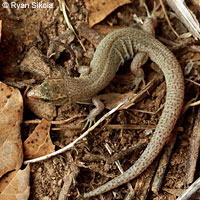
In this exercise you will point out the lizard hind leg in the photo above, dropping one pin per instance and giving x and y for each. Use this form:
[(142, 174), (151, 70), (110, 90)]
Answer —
[(139, 59)]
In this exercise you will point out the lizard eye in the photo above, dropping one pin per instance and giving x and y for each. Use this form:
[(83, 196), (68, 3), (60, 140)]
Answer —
[(42, 91)]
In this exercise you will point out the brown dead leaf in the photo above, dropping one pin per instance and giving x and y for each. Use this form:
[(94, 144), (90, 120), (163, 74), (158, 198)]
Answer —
[(15, 185), (111, 100), (105, 29), (11, 110), (100, 9), (39, 142)]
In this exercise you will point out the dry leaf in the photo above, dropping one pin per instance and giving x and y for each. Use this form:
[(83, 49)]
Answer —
[(11, 110), (111, 100), (100, 9), (39, 142), (15, 185)]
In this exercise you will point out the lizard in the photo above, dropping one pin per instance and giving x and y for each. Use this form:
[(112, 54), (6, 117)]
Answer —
[(113, 51)]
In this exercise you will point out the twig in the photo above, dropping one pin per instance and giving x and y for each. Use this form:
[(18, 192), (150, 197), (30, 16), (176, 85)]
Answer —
[(190, 191), (194, 82), (186, 16), (130, 126), (191, 103), (193, 151), (119, 167), (163, 163), (197, 103), (129, 151), (167, 18), (37, 121), (69, 146)]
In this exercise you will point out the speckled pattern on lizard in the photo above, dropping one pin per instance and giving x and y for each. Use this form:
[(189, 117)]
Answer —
[(113, 51)]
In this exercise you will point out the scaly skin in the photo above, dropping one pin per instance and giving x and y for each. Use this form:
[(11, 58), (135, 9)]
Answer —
[(112, 51)]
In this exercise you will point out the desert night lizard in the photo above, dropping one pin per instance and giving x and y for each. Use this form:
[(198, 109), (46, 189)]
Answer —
[(113, 51)]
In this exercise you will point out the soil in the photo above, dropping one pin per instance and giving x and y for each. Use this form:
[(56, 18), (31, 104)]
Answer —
[(88, 162)]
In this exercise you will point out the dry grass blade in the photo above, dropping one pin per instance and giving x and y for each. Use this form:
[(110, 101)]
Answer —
[(63, 9)]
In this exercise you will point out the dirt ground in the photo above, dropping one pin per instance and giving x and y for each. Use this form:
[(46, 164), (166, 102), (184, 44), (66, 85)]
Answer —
[(88, 165)]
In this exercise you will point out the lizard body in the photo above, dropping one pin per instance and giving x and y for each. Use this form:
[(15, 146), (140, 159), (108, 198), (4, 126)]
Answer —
[(113, 51)]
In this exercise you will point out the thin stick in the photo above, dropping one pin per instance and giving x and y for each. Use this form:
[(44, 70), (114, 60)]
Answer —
[(167, 18), (37, 121), (69, 146), (190, 191)]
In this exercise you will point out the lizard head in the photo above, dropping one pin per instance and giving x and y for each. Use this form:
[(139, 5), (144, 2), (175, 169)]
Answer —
[(49, 90)]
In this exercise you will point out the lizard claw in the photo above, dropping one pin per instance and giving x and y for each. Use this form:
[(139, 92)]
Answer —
[(137, 82), (89, 122), (90, 119)]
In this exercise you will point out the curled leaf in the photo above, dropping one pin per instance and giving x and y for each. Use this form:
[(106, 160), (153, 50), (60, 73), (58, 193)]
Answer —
[(39, 142), (15, 185), (100, 9), (11, 110)]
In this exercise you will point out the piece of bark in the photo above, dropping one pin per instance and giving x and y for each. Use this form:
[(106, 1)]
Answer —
[(69, 179), (122, 154), (193, 151), (90, 34), (36, 63), (55, 49), (163, 163), (142, 186)]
